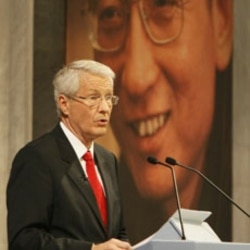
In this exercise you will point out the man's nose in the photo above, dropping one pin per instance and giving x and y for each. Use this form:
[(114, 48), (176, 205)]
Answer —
[(104, 104), (140, 69)]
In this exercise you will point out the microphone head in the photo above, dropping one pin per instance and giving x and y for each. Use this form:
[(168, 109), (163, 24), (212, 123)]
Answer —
[(171, 161), (152, 160)]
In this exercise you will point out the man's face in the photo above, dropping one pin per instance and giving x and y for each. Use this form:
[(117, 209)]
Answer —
[(86, 120), (166, 98)]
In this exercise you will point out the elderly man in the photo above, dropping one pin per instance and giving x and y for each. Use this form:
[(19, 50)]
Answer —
[(63, 191)]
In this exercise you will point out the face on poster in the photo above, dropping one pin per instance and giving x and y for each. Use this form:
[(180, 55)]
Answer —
[(166, 55)]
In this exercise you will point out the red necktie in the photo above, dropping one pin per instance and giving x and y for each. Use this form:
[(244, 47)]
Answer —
[(96, 186)]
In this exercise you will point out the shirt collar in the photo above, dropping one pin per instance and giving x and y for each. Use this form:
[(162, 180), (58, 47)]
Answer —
[(79, 148)]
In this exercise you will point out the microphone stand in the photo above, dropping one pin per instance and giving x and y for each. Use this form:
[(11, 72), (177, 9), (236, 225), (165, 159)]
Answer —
[(173, 162), (153, 160)]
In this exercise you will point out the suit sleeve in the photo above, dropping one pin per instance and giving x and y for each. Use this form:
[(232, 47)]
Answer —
[(30, 204), (122, 233)]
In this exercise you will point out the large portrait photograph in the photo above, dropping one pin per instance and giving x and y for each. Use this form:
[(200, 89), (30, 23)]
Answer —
[(173, 66)]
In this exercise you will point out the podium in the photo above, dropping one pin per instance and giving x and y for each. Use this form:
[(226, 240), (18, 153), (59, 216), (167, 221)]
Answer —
[(199, 235), (192, 245)]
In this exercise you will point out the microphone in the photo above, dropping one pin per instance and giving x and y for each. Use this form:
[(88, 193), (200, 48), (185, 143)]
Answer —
[(173, 162), (153, 160)]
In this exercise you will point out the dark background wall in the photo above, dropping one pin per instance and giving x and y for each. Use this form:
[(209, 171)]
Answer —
[(49, 56)]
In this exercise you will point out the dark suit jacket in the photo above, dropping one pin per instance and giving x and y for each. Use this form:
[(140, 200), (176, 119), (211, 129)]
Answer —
[(50, 202)]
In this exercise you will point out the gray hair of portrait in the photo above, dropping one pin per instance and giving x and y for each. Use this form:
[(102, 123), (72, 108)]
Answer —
[(67, 79)]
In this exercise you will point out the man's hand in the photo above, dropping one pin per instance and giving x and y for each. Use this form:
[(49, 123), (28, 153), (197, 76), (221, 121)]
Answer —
[(112, 244)]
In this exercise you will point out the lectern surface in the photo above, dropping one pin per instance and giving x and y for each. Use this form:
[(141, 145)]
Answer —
[(191, 245)]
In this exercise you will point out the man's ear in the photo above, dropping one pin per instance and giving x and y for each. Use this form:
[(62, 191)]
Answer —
[(63, 104), (222, 14)]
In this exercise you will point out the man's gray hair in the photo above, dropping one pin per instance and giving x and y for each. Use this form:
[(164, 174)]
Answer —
[(67, 79)]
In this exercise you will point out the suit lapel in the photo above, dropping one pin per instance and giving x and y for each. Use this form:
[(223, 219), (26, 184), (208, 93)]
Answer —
[(75, 171)]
